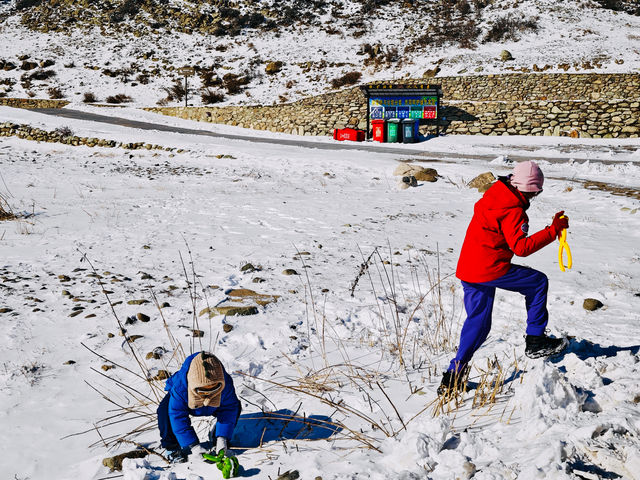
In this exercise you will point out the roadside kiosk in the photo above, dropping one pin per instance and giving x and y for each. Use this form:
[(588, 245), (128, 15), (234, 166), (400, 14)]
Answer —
[(393, 103)]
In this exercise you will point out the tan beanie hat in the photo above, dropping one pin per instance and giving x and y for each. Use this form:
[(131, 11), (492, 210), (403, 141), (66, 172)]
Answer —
[(205, 381)]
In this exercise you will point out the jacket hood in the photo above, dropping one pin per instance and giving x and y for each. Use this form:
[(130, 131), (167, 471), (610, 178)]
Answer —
[(178, 381), (503, 195)]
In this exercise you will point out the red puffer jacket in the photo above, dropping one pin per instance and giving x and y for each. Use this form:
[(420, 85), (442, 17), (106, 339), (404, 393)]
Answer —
[(497, 231)]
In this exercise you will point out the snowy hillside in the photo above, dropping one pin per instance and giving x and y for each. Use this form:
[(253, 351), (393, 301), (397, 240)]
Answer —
[(102, 228), (265, 52)]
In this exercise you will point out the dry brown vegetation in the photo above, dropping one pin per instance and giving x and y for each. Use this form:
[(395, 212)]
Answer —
[(6, 212)]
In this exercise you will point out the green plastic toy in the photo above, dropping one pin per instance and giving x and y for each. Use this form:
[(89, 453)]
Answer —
[(227, 464)]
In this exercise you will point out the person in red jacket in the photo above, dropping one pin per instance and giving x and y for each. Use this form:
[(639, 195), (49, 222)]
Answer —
[(499, 230)]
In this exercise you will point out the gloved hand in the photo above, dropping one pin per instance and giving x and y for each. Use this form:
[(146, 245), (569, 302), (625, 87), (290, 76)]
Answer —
[(221, 445), (559, 223), (197, 451)]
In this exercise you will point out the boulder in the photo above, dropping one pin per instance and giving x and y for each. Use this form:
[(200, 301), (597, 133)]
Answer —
[(273, 67), (240, 310), (426, 175), (505, 55), (141, 301), (403, 169), (420, 173), (115, 463), (483, 181), (289, 475), (432, 72), (259, 298), (161, 375), (592, 304)]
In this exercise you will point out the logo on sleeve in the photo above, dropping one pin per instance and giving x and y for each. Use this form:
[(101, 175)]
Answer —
[(525, 228)]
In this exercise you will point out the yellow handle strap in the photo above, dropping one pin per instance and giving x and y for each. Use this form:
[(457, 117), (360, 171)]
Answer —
[(564, 246)]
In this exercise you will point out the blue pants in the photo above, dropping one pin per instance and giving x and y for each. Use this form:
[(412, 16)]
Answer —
[(167, 438), (478, 302)]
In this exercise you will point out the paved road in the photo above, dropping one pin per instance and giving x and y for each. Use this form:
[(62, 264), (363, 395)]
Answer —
[(306, 143), (302, 142)]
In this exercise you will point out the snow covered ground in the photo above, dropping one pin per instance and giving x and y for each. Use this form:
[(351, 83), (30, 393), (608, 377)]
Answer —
[(142, 218)]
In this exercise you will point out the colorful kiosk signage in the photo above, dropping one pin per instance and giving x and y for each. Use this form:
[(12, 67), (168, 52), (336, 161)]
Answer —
[(388, 101)]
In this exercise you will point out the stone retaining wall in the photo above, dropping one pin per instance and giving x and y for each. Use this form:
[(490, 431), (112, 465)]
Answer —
[(27, 132), (32, 103), (586, 105), (520, 87), (598, 119)]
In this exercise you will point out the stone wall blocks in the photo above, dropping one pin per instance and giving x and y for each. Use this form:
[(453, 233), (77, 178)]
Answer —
[(541, 110)]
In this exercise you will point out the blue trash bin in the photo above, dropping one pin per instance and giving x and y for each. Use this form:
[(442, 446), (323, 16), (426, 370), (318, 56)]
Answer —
[(409, 130)]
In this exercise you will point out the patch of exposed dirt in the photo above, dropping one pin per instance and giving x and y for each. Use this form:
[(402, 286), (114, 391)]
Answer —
[(613, 189)]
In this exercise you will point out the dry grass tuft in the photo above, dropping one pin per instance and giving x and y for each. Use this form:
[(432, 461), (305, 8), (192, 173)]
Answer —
[(412, 325), (6, 212)]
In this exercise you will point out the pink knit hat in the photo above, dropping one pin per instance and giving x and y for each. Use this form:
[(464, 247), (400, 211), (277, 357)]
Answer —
[(527, 177)]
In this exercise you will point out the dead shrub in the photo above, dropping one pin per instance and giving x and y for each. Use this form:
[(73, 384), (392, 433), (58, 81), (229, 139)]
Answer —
[(629, 6), (40, 75), (55, 93), (349, 78), (464, 33), (143, 79), (64, 131), (209, 96), (89, 97), (119, 98), (234, 82), (209, 79), (370, 6), (509, 28), (25, 4), (6, 213), (129, 8), (463, 7), (175, 91)]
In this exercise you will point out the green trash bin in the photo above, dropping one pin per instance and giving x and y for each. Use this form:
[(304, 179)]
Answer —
[(393, 130), (409, 130)]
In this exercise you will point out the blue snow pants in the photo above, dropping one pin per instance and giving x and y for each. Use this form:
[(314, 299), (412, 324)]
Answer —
[(478, 303), (167, 438)]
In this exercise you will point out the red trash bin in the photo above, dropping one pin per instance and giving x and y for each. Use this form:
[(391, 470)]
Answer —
[(378, 130), (351, 134)]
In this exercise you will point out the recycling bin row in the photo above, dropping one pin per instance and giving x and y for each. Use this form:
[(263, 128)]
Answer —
[(395, 130)]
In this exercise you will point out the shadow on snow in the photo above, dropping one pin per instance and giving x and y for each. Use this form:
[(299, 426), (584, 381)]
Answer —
[(255, 429)]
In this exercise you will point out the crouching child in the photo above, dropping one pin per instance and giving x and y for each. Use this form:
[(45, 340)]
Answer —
[(201, 388)]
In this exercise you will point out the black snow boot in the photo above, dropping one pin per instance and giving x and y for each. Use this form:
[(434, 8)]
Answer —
[(453, 382), (543, 346)]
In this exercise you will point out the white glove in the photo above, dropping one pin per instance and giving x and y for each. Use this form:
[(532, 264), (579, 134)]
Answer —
[(221, 444), (197, 451)]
